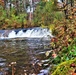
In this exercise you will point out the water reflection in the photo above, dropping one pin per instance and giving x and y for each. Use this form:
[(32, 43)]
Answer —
[(26, 53)]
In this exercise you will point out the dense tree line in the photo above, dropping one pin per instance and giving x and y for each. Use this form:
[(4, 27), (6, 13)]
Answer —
[(45, 13)]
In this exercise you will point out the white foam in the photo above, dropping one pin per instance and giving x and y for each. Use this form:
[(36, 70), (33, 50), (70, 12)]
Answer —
[(31, 33), (12, 34)]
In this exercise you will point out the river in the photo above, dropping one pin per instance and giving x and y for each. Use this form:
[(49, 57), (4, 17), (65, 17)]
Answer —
[(22, 51), (26, 55)]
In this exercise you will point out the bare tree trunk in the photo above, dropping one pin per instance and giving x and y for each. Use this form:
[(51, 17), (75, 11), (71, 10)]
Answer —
[(5, 2), (5, 6), (10, 8), (17, 7), (30, 14), (24, 4)]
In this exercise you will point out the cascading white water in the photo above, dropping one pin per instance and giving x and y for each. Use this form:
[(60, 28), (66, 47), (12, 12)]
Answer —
[(30, 33)]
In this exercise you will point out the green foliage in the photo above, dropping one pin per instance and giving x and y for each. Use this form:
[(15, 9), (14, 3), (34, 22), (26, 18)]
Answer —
[(18, 18), (59, 16), (11, 20), (64, 68), (2, 16), (46, 13), (2, 13), (64, 45), (67, 53)]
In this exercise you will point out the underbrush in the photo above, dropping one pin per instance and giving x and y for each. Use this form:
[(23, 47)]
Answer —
[(66, 68), (63, 47)]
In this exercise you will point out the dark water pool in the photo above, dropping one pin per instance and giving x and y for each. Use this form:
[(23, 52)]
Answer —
[(22, 57)]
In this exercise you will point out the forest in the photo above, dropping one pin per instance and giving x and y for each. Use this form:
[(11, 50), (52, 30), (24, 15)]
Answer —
[(59, 17)]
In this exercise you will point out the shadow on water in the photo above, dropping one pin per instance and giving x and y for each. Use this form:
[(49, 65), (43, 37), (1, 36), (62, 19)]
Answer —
[(22, 56)]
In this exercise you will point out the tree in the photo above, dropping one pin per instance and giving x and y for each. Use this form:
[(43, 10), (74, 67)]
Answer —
[(45, 12), (67, 7)]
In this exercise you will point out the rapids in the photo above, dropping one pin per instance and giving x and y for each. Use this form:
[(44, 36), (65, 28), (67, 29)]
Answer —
[(36, 32)]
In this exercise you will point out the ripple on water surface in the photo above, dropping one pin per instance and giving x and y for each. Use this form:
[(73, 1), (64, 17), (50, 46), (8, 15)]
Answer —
[(27, 54)]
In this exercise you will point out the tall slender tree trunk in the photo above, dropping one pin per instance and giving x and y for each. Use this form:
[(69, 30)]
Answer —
[(30, 14), (5, 6), (10, 8), (17, 7), (5, 1), (24, 5)]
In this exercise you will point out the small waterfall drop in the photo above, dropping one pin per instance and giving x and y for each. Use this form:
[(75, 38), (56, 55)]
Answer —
[(29, 33), (12, 34)]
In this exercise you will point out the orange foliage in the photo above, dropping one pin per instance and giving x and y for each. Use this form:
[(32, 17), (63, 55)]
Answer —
[(2, 3), (74, 74)]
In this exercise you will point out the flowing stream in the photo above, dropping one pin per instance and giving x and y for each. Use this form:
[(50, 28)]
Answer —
[(24, 55)]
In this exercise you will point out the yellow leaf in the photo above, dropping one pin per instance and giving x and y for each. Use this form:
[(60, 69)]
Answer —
[(47, 53)]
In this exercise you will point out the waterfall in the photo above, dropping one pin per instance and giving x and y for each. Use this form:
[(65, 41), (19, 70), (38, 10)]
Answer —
[(36, 32)]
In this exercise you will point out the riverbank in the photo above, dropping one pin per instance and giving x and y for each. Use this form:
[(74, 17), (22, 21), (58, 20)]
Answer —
[(64, 47)]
